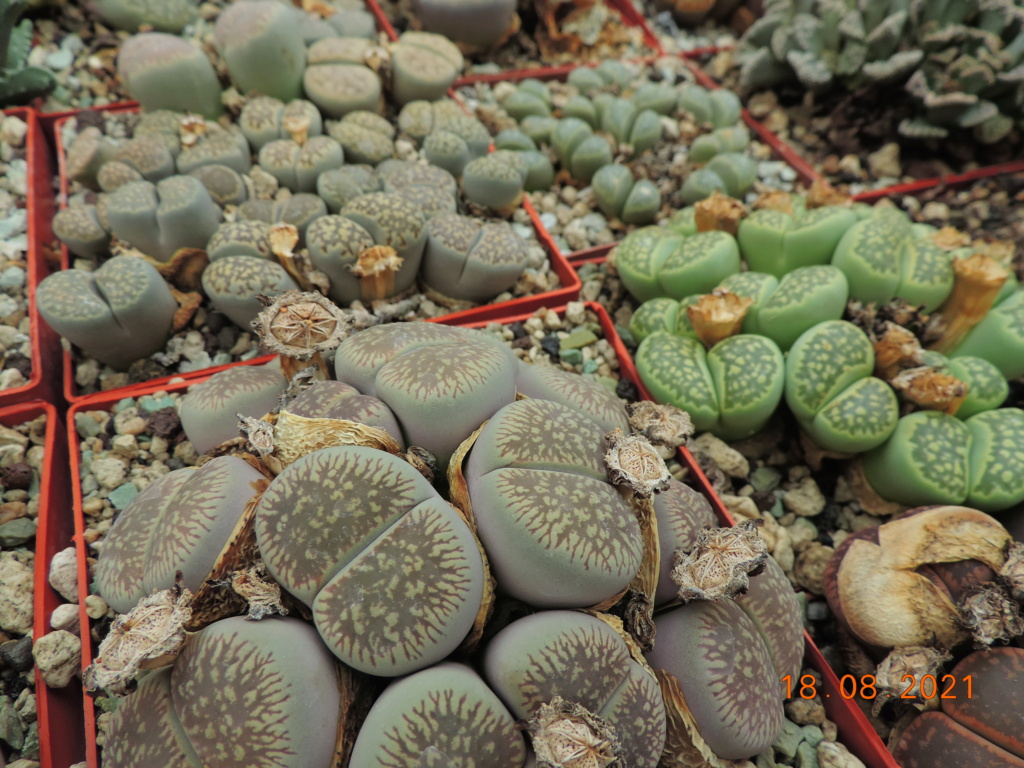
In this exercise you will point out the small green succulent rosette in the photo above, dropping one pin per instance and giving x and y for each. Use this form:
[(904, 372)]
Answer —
[(731, 390), (886, 256), (776, 242), (999, 337), (830, 389), (654, 262), (934, 458)]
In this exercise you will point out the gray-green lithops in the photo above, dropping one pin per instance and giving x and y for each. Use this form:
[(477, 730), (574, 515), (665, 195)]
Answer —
[(225, 185), (259, 694), (446, 712), (208, 411), (118, 314), (681, 513), (342, 185), (80, 229), (298, 166), (423, 67), (163, 71), (579, 393), (493, 182), (232, 283), (470, 260), (217, 147), (300, 210), (522, 483), (262, 45), (365, 136), (390, 570), (264, 119)]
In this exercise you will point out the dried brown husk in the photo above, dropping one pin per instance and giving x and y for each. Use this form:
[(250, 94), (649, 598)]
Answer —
[(261, 593), (376, 268), (721, 562), (979, 278), (684, 747), (822, 193), (299, 326), (184, 270), (1011, 575), (896, 349), (296, 436), (866, 496), (718, 315), (639, 609), (357, 693), (719, 212), (930, 388), (567, 735), (950, 239), (661, 423), (188, 305), (990, 615), (913, 662), (633, 462), (774, 200)]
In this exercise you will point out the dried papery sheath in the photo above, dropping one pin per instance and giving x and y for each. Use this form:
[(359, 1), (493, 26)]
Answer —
[(913, 662), (261, 593), (721, 562), (979, 278), (191, 128), (258, 432), (822, 193), (423, 460), (296, 436), (298, 125), (376, 268), (299, 326), (718, 315), (929, 388), (896, 349), (991, 616), (149, 636), (774, 200), (950, 239), (1011, 575), (719, 212), (566, 735), (633, 462), (661, 424), (283, 239)]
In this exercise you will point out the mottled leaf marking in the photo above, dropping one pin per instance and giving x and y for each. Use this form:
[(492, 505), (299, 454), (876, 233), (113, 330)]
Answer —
[(143, 730), (938, 449), (747, 370), (637, 712), (997, 455), (825, 360), (220, 388), (426, 376), (867, 409)]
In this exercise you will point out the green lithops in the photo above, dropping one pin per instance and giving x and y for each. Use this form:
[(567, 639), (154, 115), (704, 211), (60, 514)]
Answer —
[(423, 67), (729, 172), (584, 660), (262, 46), (776, 242), (885, 256), (531, 97), (831, 391), (666, 315), (655, 261), (621, 197), (934, 458), (157, 15), (630, 125), (520, 485), (393, 221), (335, 243), (296, 166), (428, 375), (264, 119), (338, 81), (445, 714), (240, 238), (258, 694), (719, 107), (163, 71), (341, 528), (233, 282), (987, 388), (725, 674), (80, 229), (660, 97), (730, 390), (735, 138), (158, 219), (209, 412), (118, 314), (999, 337), (493, 182), (470, 260), (582, 394), (580, 151)]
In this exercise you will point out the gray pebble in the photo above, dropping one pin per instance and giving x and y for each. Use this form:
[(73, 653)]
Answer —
[(14, 533), (11, 731), (17, 654)]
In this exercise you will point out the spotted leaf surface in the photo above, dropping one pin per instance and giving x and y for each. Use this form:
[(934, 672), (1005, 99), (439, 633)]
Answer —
[(749, 375), (771, 604), (860, 418), (447, 707), (674, 371), (996, 459), (868, 255), (823, 362)]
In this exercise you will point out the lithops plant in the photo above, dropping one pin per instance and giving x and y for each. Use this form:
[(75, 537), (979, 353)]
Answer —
[(580, 151), (423, 66), (999, 337), (546, 382), (217, 146), (158, 219), (260, 693), (233, 282), (730, 390), (129, 15), (519, 484), (776, 241), (342, 185), (470, 260), (163, 71), (337, 400), (582, 659), (681, 513), (209, 412), (262, 45), (620, 196), (966, 730), (495, 181), (338, 81), (118, 314), (477, 23), (430, 374), (439, 716), (654, 262), (366, 137), (148, 156), (225, 185), (729, 172), (180, 522), (300, 210), (347, 556), (418, 118), (264, 119), (297, 166), (79, 227), (531, 97), (832, 392), (718, 107), (88, 152)]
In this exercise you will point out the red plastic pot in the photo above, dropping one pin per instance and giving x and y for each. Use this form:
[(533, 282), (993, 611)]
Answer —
[(952, 180), (59, 710), (43, 382)]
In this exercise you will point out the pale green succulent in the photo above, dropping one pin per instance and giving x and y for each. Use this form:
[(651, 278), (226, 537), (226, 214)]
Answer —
[(999, 337), (262, 44), (163, 71), (621, 197)]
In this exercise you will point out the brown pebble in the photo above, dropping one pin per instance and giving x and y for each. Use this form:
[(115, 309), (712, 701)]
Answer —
[(12, 510), (16, 476), (164, 423)]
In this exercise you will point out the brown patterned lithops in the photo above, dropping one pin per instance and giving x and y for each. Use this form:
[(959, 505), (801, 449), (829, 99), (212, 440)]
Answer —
[(445, 715), (336, 400), (584, 660), (681, 512), (180, 522), (471, 260), (241, 695), (574, 391), (391, 571), (557, 533)]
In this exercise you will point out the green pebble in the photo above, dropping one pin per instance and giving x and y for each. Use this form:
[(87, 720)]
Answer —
[(17, 532), (10, 725), (86, 426), (766, 760), (590, 366), (788, 740), (127, 402), (577, 339), (152, 404), (777, 509), (122, 495), (806, 756), (86, 463), (813, 735), (765, 479), (626, 335), (571, 356)]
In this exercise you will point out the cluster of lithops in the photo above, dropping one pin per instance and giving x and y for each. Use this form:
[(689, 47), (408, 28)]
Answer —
[(334, 517), (918, 593), (956, 60), (712, 339)]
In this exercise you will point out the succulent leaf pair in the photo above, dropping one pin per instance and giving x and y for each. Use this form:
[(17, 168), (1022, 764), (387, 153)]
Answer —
[(777, 242), (621, 197)]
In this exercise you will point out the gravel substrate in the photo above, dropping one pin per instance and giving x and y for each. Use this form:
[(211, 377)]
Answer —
[(15, 342), (21, 462), (569, 211)]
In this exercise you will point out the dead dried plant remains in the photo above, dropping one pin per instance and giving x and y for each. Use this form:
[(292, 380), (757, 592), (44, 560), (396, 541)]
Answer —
[(662, 424), (567, 735), (632, 461), (721, 562)]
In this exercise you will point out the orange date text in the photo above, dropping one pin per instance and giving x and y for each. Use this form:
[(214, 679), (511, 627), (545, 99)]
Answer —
[(866, 687)]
